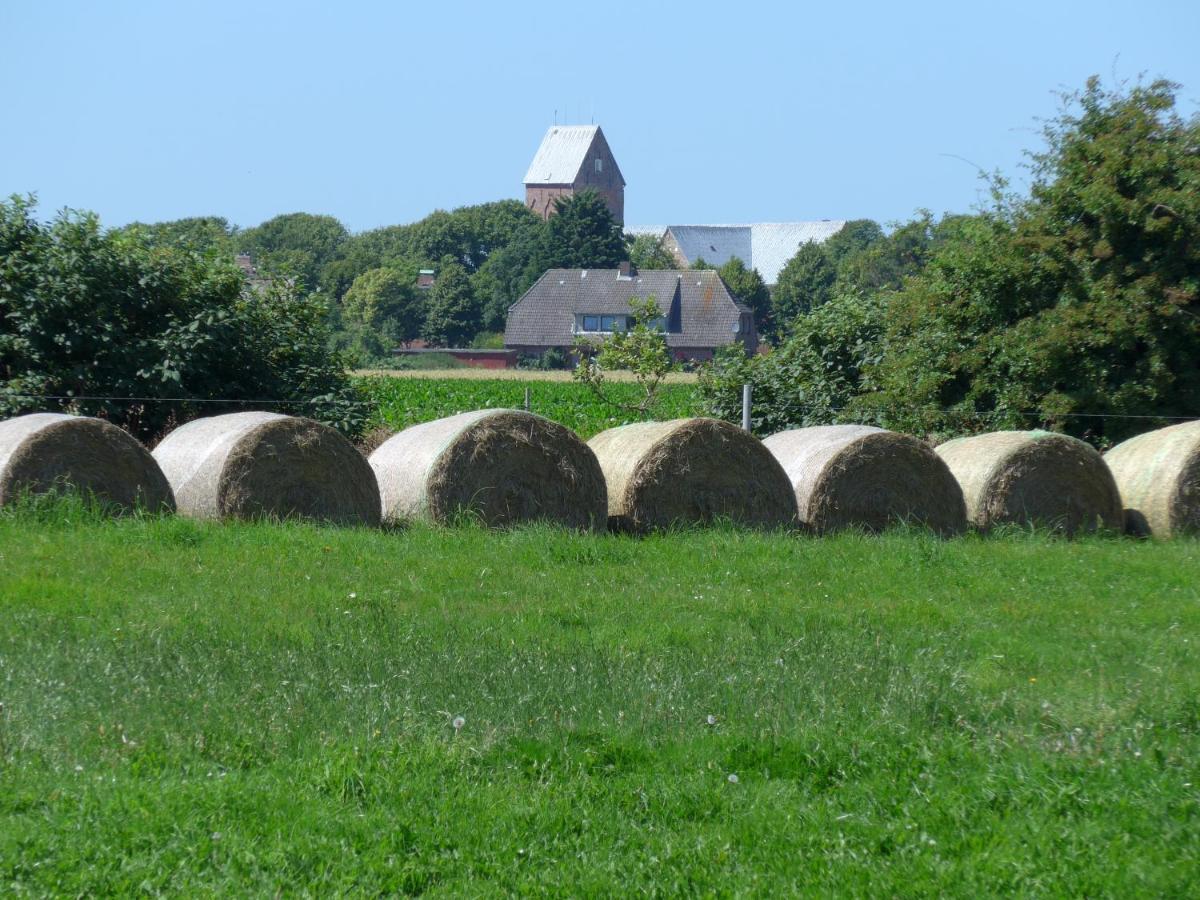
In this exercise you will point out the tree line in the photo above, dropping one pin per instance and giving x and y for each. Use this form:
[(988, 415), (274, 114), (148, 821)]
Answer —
[(484, 257), (1074, 306)]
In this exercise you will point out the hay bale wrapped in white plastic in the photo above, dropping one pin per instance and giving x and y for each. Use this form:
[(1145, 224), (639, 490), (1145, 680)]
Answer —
[(501, 467), (691, 471), (41, 452), (251, 464), (1033, 477), (1158, 474), (858, 475)]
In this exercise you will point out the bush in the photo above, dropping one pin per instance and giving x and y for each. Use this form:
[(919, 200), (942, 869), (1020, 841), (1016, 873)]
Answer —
[(813, 379), (553, 359), (1075, 307), (141, 334), (488, 340)]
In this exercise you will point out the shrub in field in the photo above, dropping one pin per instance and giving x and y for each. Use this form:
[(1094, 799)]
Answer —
[(91, 315), (641, 350), (813, 379)]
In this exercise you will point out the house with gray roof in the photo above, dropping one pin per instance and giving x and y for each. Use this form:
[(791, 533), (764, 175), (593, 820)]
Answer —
[(573, 158), (566, 306), (766, 246)]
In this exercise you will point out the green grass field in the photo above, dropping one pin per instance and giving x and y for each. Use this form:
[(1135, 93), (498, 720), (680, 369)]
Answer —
[(401, 402), (261, 709)]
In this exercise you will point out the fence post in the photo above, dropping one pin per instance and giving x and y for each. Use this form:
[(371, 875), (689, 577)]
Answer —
[(526, 398), (745, 407)]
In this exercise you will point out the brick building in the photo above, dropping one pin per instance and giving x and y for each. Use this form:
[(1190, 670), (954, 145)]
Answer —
[(574, 158)]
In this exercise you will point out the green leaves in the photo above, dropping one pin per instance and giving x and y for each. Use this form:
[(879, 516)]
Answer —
[(1082, 299), (641, 349), (106, 314), (453, 316), (581, 234)]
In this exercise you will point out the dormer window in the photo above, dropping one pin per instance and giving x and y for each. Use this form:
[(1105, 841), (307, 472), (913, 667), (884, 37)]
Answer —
[(599, 165)]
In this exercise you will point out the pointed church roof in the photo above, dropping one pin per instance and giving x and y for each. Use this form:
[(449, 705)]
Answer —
[(562, 154)]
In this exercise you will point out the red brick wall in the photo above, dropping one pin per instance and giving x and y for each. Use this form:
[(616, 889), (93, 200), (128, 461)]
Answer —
[(540, 199), (485, 360)]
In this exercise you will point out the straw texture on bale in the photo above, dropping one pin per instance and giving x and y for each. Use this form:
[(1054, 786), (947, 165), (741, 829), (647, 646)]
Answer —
[(501, 467), (1158, 474), (691, 471), (858, 475), (252, 464), (1033, 477), (42, 451)]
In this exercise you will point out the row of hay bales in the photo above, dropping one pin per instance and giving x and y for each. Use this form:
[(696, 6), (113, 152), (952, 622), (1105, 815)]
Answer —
[(503, 467)]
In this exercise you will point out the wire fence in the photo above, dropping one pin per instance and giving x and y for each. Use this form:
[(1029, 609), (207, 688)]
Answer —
[(949, 411)]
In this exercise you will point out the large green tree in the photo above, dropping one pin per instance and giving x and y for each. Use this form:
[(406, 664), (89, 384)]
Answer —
[(1075, 306), (144, 334), (748, 286), (200, 233), (581, 234), (852, 239), (387, 301), (646, 251), (296, 245), (452, 316), (804, 283)]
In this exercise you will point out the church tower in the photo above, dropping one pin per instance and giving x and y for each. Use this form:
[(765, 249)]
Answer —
[(574, 158)]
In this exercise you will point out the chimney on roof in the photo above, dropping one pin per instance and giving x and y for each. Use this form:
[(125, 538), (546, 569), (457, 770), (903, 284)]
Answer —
[(626, 270)]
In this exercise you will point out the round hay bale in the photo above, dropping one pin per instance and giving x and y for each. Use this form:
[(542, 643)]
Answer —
[(691, 471), (251, 464), (1033, 477), (500, 466), (1158, 474), (43, 451), (858, 475)]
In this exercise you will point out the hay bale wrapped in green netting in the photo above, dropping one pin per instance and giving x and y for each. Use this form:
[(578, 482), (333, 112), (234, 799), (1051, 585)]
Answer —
[(42, 452), (858, 475), (1033, 477), (1158, 474), (501, 467), (691, 471), (251, 464)]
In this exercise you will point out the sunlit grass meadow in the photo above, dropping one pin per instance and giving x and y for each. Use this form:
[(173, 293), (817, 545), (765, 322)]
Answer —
[(270, 708)]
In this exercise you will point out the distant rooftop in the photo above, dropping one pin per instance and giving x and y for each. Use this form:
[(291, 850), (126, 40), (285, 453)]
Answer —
[(561, 154), (765, 246)]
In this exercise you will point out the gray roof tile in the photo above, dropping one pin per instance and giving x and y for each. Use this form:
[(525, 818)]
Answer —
[(699, 308)]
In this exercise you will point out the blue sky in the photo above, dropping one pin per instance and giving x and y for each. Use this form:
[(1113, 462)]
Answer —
[(378, 113)]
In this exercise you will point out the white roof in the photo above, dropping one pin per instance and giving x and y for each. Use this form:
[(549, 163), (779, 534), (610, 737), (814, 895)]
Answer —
[(772, 244), (561, 155), (766, 246)]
